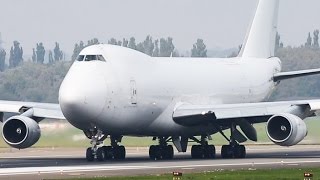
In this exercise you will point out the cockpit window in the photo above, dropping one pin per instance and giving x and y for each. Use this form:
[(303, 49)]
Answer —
[(101, 58), (80, 58), (91, 58)]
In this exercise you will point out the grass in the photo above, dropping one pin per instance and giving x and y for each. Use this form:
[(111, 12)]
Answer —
[(64, 135), (262, 174)]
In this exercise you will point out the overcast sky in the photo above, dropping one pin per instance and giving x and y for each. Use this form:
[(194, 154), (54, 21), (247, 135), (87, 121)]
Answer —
[(221, 23)]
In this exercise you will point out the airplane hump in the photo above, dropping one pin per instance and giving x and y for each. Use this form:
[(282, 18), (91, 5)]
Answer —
[(261, 36)]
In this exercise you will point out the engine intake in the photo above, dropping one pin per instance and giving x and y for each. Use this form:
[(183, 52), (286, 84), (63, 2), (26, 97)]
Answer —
[(286, 129), (20, 132)]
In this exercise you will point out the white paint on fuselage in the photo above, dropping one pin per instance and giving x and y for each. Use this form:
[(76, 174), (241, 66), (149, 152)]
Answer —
[(161, 84)]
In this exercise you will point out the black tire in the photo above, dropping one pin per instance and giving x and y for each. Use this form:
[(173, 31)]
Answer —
[(193, 152), (108, 152), (89, 155), (210, 152), (159, 153), (196, 152), (152, 152), (225, 151), (169, 152), (122, 152), (240, 151), (100, 154)]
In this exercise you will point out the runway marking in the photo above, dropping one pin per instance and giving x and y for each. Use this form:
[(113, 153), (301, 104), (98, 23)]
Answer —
[(79, 169)]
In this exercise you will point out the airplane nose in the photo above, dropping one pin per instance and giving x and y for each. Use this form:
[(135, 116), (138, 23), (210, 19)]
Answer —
[(82, 94)]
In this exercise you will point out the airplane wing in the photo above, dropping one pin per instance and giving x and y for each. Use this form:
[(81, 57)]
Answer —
[(41, 110), (293, 74), (189, 115)]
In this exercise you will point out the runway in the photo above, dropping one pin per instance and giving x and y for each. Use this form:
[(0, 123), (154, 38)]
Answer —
[(70, 163)]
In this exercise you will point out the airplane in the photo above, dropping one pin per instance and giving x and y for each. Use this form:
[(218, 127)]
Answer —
[(112, 91)]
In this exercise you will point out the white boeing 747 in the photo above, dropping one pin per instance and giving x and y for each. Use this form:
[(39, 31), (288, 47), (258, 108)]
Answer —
[(112, 91)]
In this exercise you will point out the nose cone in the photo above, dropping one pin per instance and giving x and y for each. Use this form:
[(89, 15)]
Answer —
[(82, 94)]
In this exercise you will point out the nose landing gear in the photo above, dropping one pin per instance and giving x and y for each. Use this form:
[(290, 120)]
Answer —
[(115, 151)]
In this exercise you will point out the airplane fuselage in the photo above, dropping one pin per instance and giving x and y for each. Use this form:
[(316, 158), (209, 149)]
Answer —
[(134, 94)]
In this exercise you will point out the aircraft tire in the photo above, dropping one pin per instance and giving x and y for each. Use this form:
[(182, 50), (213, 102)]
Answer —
[(225, 151), (100, 154), (210, 152), (152, 152), (89, 155), (108, 152), (119, 152), (169, 152)]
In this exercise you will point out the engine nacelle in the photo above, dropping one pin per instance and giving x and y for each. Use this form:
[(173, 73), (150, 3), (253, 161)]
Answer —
[(20, 132), (286, 129)]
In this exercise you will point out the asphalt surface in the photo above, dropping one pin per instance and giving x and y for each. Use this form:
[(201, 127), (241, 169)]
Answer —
[(50, 163)]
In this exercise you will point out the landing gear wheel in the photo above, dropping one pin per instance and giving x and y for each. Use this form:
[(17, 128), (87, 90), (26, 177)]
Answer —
[(169, 152), (119, 152), (100, 154), (157, 152), (108, 152), (203, 152), (237, 151), (152, 152), (89, 155), (210, 152), (225, 152), (240, 151)]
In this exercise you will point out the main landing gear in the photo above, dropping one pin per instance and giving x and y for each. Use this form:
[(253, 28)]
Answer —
[(204, 150), (103, 153), (161, 151), (233, 150)]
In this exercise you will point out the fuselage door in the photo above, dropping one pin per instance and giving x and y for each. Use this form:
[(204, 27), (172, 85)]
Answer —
[(133, 92)]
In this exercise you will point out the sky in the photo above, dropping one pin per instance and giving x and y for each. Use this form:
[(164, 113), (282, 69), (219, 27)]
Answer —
[(221, 23)]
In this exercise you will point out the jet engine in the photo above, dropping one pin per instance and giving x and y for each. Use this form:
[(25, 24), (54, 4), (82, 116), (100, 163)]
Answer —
[(286, 129), (20, 132)]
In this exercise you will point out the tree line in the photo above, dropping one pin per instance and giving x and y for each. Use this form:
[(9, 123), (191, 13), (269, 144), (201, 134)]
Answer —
[(37, 81), (163, 47)]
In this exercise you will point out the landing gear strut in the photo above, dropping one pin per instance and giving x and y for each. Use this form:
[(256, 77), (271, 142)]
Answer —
[(204, 150), (233, 150), (161, 151), (115, 151)]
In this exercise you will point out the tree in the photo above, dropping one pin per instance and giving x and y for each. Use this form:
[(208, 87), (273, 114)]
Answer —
[(58, 54), (2, 59), (156, 49), (125, 42), (278, 43), (34, 55), (309, 41), (77, 49), (166, 47), (148, 45), (315, 39), (92, 42), (40, 53), (132, 43), (113, 41), (199, 49), (51, 60), (16, 54)]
